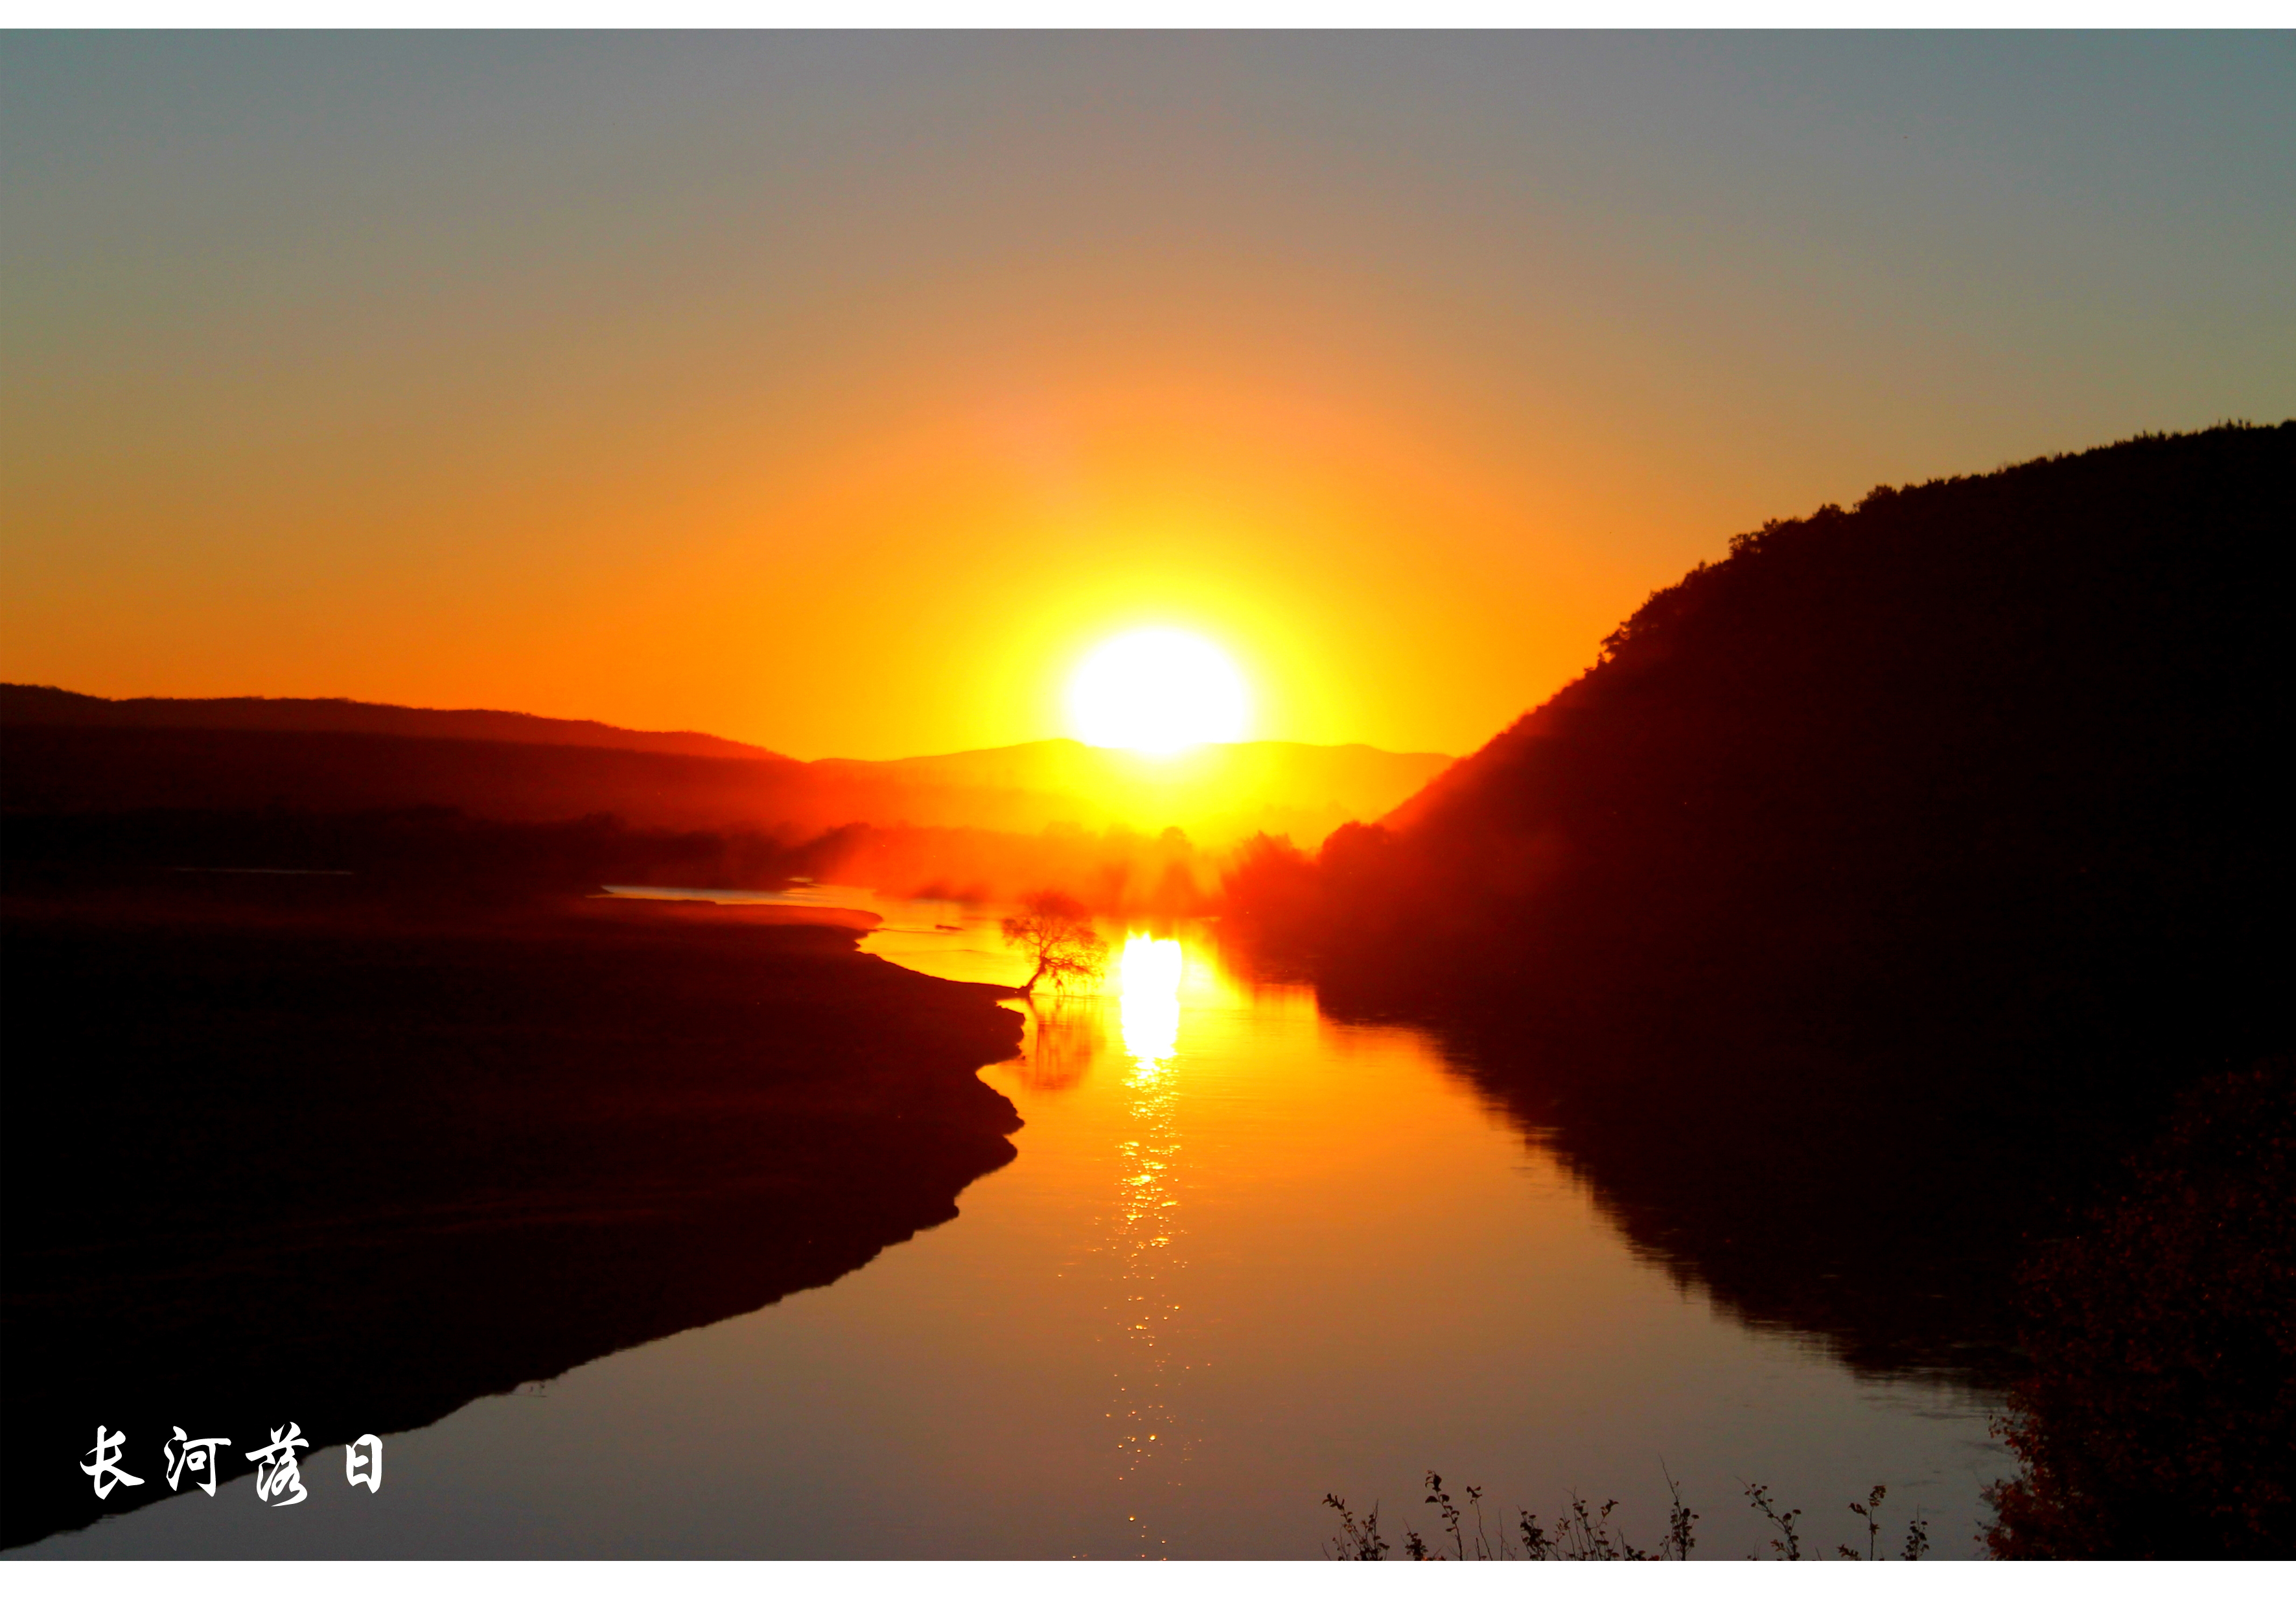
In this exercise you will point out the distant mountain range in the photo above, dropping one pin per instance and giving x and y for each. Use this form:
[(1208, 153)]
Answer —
[(51, 706), (66, 751)]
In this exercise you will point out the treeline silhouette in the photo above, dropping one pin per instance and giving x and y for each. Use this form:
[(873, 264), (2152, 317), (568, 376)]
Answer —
[(1874, 892), (1117, 872), (57, 769), (432, 852), (439, 852)]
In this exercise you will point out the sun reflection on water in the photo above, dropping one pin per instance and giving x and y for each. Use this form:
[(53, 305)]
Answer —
[(1149, 986), (1148, 980)]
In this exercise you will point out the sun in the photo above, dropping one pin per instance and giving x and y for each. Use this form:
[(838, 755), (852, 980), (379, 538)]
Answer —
[(1157, 690)]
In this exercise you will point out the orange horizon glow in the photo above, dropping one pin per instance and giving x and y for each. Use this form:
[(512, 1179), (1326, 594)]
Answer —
[(901, 606), (839, 395)]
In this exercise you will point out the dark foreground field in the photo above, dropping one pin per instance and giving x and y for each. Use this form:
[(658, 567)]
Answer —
[(297, 1157)]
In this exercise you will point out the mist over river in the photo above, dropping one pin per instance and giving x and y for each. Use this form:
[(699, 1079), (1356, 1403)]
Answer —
[(1248, 1254)]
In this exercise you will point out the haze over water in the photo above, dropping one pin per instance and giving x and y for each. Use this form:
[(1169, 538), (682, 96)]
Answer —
[(1247, 1255)]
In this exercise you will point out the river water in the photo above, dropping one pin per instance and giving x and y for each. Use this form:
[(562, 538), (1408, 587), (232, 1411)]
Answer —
[(1248, 1254)]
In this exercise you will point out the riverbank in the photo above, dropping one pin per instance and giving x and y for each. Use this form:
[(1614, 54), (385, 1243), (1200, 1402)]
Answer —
[(279, 1154)]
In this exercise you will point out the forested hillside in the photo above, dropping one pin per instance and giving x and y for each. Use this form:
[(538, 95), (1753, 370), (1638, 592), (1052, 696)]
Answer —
[(1874, 897), (1985, 767)]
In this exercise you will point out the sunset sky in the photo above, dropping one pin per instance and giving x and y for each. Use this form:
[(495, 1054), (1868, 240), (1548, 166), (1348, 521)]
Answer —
[(841, 393)]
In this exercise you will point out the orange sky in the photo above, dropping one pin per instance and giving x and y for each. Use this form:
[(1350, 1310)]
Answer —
[(835, 394)]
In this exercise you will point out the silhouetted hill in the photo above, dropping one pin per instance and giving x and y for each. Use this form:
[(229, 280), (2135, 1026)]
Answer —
[(49, 706), (1876, 886), (66, 754), (2003, 749), (67, 769)]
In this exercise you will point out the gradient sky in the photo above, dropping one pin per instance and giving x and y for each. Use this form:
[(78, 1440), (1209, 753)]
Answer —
[(837, 393)]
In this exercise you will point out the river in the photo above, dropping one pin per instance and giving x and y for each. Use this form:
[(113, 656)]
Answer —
[(1248, 1254)]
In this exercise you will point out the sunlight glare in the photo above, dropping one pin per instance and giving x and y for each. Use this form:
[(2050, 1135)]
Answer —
[(1157, 692)]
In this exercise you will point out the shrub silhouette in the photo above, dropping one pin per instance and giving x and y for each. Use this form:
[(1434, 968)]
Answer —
[(2160, 1417)]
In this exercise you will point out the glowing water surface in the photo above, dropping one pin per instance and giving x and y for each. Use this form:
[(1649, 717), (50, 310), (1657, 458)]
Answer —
[(1247, 1255)]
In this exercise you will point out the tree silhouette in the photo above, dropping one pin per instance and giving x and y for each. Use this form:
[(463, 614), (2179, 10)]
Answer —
[(1054, 930)]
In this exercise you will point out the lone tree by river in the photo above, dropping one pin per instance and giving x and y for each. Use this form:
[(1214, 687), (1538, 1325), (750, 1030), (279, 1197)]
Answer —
[(1054, 930)]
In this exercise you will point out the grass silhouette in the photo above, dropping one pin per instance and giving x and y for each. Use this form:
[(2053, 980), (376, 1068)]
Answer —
[(1589, 1534)]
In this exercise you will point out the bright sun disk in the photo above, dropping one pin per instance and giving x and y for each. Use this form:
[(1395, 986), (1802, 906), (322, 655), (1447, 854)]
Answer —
[(1157, 692)]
